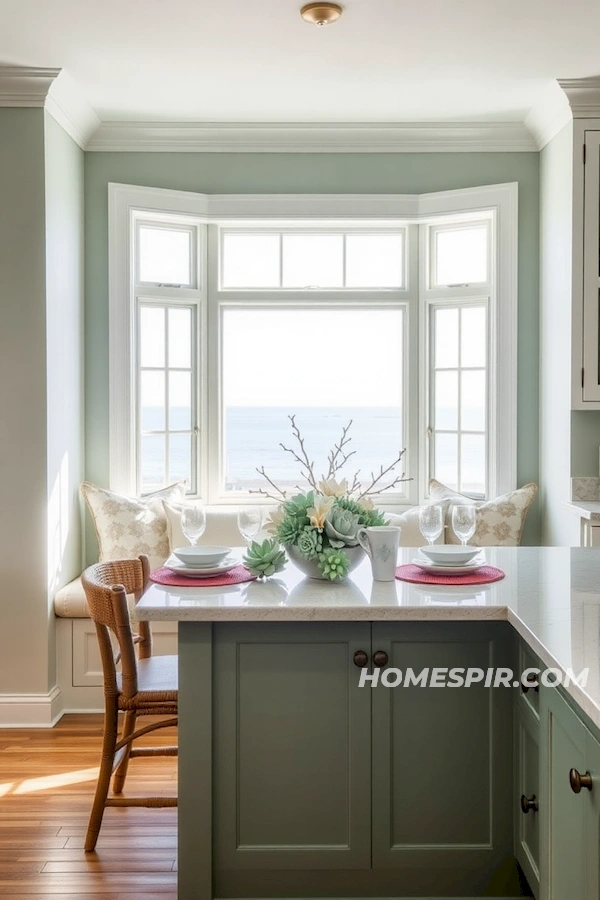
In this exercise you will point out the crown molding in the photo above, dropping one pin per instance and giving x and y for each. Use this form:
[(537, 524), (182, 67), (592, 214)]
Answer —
[(301, 137), (583, 95), (54, 90), (68, 106), (548, 116), (25, 86)]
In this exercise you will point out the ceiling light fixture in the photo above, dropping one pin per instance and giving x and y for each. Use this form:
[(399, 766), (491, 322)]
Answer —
[(321, 13)]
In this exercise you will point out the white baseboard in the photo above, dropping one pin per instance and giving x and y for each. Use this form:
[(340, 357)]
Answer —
[(31, 710)]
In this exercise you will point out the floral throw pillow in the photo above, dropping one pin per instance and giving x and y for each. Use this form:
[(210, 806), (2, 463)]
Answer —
[(499, 521), (128, 526)]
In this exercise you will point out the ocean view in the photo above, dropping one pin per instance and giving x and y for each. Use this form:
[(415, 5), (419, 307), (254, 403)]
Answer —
[(253, 436)]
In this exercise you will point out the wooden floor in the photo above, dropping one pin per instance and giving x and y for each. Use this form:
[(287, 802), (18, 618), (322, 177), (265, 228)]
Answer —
[(47, 779)]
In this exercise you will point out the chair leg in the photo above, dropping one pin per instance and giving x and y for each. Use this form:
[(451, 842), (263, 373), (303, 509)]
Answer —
[(109, 741), (121, 770)]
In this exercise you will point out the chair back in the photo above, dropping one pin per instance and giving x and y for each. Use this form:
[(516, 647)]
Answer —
[(106, 587)]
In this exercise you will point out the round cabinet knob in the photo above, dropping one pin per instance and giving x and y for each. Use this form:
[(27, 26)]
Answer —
[(529, 803), (380, 659), (360, 659), (531, 682), (578, 781)]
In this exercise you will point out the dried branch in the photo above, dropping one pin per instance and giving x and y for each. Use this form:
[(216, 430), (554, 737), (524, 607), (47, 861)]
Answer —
[(282, 494), (382, 473), (309, 473), (338, 450), (355, 486)]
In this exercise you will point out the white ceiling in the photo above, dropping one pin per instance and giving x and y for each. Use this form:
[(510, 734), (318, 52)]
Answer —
[(257, 61)]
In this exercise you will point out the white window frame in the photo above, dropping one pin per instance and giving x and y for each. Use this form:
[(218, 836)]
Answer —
[(361, 212)]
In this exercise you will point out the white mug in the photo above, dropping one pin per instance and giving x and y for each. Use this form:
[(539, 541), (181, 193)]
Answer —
[(380, 543)]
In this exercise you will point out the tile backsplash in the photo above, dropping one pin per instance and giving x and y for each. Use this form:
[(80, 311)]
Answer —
[(585, 488)]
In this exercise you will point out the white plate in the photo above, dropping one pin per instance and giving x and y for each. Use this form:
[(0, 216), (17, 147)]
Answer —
[(201, 556), (450, 554), (451, 564), (174, 565), (447, 570)]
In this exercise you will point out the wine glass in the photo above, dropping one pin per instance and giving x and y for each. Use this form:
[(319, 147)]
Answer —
[(431, 522), (464, 522), (250, 520), (193, 523)]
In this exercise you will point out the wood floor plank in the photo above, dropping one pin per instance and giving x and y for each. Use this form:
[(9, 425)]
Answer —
[(47, 780)]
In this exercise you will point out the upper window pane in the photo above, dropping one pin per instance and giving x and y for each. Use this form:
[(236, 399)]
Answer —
[(165, 255), (250, 260), (460, 255), (313, 260), (374, 260), (278, 362)]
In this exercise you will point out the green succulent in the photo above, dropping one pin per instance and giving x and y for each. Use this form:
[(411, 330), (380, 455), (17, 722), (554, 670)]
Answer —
[(341, 526), (310, 542), (290, 529), (333, 564), (265, 559), (366, 517), (297, 506)]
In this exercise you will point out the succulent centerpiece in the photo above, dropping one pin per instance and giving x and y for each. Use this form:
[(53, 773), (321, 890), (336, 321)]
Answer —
[(318, 525)]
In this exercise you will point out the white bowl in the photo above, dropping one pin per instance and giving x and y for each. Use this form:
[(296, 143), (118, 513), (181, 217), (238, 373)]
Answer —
[(450, 554), (201, 556)]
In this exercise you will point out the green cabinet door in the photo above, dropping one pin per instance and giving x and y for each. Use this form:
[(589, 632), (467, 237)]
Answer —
[(291, 751), (443, 759), (592, 831), (527, 797), (564, 812)]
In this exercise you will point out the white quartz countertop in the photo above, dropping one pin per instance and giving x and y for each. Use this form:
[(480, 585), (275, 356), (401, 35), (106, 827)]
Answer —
[(586, 509), (551, 596)]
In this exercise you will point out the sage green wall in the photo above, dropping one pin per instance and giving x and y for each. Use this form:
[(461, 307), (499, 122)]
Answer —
[(241, 173), (23, 608), (585, 442)]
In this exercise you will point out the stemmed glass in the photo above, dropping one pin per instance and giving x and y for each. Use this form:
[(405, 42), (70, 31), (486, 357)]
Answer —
[(193, 523), (431, 522), (250, 520), (464, 522)]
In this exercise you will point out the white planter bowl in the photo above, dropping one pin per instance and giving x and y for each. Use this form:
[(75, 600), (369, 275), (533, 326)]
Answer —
[(310, 567)]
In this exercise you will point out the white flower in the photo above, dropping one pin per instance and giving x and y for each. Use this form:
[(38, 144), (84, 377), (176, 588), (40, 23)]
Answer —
[(276, 517), (329, 487), (318, 512), (366, 503)]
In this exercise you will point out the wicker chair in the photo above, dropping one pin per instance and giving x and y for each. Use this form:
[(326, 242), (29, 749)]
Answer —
[(144, 686)]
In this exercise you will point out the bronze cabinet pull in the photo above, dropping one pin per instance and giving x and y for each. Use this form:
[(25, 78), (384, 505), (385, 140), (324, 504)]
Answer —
[(531, 682), (578, 781), (529, 804), (380, 658), (360, 659)]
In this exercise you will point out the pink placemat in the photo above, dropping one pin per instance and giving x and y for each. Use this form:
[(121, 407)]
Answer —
[(234, 576), (482, 576)]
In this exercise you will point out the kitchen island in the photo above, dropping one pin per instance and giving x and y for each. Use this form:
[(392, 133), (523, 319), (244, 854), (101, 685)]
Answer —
[(294, 781)]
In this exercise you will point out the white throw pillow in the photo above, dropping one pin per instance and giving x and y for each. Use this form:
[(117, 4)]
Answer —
[(410, 535), (128, 526), (221, 528), (499, 521)]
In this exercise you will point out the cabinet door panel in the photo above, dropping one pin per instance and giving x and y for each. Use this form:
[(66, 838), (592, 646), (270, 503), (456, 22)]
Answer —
[(566, 812), (593, 819), (292, 746), (591, 270), (442, 776), (528, 784)]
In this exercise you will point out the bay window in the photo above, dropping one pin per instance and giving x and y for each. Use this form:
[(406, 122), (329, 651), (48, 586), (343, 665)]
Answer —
[(224, 324)]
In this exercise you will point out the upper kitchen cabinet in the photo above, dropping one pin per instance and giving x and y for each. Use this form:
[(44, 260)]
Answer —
[(584, 99), (590, 313)]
